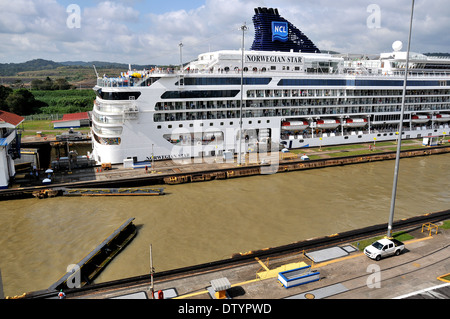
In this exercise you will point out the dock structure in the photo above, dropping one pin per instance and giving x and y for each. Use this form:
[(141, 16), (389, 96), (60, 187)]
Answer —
[(234, 277), (169, 174), (85, 271)]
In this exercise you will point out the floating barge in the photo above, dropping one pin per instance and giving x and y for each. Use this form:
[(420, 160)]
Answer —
[(112, 191), (61, 191), (84, 272)]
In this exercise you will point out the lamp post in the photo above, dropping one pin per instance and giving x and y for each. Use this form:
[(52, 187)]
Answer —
[(153, 160), (397, 158), (243, 29), (181, 56)]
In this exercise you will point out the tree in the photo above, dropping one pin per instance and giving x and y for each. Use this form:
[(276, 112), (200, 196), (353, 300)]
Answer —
[(4, 93), (61, 84), (36, 84), (22, 102), (47, 84)]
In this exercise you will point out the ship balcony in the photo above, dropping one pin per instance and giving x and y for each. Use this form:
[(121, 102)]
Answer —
[(113, 107), (107, 131), (107, 120), (120, 114)]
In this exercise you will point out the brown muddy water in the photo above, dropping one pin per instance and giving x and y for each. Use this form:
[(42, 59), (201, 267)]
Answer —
[(201, 222)]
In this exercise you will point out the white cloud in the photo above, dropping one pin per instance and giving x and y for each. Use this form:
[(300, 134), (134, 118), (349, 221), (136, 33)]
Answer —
[(130, 31)]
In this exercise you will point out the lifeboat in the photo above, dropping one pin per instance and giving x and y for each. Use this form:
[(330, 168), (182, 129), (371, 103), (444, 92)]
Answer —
[(420, 118), (328, 124), (442, 118), (294, 125), (355, 122)]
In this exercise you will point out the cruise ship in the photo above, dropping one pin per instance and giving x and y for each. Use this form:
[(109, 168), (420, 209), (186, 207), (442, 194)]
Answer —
[(287, 93)]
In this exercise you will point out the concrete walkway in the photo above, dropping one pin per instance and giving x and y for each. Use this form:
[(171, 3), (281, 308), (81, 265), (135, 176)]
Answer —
[(353, 276)]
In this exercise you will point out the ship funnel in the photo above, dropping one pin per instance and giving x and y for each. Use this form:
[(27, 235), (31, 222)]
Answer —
[(274, 33)]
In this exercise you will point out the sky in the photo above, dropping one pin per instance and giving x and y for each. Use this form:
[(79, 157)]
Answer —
[(149, 32)]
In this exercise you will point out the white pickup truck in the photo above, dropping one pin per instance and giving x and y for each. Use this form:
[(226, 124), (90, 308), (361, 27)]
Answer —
[(384, 247)]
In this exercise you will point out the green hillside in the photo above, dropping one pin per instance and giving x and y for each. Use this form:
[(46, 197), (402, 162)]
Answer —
[(78, 73)]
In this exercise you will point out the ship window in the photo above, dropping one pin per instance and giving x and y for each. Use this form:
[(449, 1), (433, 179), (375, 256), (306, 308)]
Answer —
[(181, 125), (198, 94), (273, 68), (159, 127), (353, 82), (149, 81), (117, 95), (169, 126), (226, 81)]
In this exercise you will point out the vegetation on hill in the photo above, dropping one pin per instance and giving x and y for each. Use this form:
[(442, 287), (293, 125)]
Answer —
[(25, 102), (65, 101), (34, 74), (46, 87), (49, 84), (9, 69), (20, 101), (50, 67)]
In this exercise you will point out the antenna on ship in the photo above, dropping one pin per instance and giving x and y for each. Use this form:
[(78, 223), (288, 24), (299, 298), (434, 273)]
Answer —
[(181, 56), (400, 131), (96, 73)]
